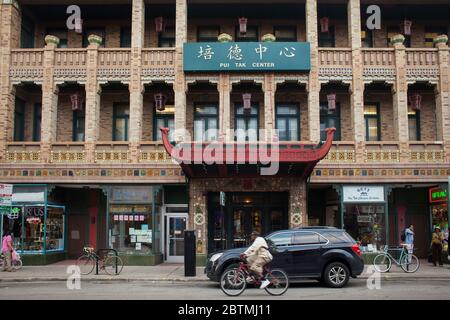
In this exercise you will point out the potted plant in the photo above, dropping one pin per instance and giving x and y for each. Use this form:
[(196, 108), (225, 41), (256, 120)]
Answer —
[(224, 37), (94, 39), (441, 39), (268, 38), (398, 38), (49, 39)]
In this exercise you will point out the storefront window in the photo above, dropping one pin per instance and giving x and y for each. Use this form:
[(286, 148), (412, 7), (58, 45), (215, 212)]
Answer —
[(366, 224), (55, 229), (439, 209)]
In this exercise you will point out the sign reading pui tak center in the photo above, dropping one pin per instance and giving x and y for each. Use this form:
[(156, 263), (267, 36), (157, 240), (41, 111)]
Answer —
[(246, 56)]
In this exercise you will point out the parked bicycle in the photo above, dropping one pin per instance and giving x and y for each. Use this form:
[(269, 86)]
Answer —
[(111, 263), (234, 281), (16, 261), (407, 261)]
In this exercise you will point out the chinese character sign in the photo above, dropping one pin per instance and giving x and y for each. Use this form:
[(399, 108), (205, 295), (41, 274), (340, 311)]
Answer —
[(247, 56)]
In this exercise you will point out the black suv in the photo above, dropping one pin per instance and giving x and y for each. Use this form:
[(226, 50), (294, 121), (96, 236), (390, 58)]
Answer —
[(324, 253)]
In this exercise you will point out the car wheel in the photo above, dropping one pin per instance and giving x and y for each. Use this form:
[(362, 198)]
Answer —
[(336, 275)]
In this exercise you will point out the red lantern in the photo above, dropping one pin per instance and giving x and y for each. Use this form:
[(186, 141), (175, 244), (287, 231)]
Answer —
[(160, 101), (324, 24), (160, 24), (331, 102), (77, 101), (243, 25), (406, 27), (416, 101), (247, 98)]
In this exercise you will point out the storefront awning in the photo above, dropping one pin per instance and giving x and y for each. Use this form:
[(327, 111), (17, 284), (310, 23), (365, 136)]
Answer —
[(247, 159)]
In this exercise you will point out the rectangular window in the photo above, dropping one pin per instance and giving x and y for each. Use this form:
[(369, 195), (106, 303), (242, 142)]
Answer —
[(367, 38), (19, 120), (78, 125), (61, 34), (125, 37), (98, 32), (246, 123), (164, 119), (121, 118), (285, 33), (250, 36), (206, 122), (27, 32), (431, 34), (166, 39), (37, 118), (372, 122), (414, 125), (330, 119), (288, 122), (392, 31), (327, 39), (208, 34)]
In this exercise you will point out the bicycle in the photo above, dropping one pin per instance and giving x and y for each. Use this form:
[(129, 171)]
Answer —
[(112, 264), (234, 281), (407, 261)]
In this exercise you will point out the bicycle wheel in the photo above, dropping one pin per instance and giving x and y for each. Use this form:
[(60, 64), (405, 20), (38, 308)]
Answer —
[(233, 282), (86, 264), (409, 263), (279, 282), (111, 263), (17, 264), (382, 263)]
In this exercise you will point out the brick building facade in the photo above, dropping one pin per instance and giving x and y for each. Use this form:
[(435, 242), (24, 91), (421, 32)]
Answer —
[(111, 148)]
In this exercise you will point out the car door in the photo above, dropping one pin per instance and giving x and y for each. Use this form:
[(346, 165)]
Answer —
[(280, 244), (307, 248)]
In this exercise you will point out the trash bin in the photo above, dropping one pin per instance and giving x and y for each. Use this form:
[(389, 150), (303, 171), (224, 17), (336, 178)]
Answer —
[(189, 254)]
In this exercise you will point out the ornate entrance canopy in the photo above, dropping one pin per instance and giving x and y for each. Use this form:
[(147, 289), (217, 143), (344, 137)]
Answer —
[(220, 159)]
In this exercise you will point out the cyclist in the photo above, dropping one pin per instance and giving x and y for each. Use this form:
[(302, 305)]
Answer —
[(257, 256)]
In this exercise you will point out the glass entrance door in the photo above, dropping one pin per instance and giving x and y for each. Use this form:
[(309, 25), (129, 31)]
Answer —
[(175, 227), (245, 221)]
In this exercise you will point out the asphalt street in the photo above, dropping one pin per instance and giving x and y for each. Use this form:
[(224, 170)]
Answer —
[(138, 290)]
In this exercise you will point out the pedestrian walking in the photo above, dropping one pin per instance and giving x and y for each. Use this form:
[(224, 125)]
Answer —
[(436, 246), (7, 251), (409, 240)]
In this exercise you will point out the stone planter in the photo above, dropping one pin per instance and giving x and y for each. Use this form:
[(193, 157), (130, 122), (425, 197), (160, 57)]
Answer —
[(398, 38), (49, 39), (224, 37), (94, 39), (268, 38), (441, 39)]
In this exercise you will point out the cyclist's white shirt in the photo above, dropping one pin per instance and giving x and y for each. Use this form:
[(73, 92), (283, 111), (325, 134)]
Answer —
[(259, 248)]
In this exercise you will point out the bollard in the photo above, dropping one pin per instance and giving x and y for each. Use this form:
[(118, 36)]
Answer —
[(189, 254)]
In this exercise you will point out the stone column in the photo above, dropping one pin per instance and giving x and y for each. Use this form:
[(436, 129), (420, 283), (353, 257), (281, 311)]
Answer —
[(298, 205), (180, 81), (442, 95), (224, 88), (400, 98), (136, 88), (49, 99), (93, 92), (269, 89), (314, 84), (357, 86), (10, 19)]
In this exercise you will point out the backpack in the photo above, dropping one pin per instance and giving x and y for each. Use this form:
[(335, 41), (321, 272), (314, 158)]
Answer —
[(403, 235)]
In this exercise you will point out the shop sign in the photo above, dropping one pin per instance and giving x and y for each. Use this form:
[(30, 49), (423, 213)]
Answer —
[(438, 195), (364, 219), (132, 195), (363, 194), (6, 193), (247, 56)]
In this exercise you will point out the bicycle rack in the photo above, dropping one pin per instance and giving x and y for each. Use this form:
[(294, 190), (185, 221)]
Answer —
[(116, 254)]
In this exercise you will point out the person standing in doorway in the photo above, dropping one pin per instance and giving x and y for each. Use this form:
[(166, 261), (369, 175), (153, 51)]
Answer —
[(409, 240), (436, 246), (7, 250)]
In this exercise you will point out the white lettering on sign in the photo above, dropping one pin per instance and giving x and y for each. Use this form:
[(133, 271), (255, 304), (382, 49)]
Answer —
[(235, 53), (263, 65), (206, 53), (260, 50), (288, 52)]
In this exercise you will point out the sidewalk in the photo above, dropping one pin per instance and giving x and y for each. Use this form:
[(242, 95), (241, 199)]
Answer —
[(175, 273)]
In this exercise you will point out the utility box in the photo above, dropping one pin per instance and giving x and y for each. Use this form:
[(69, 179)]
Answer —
[(189, 254)]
